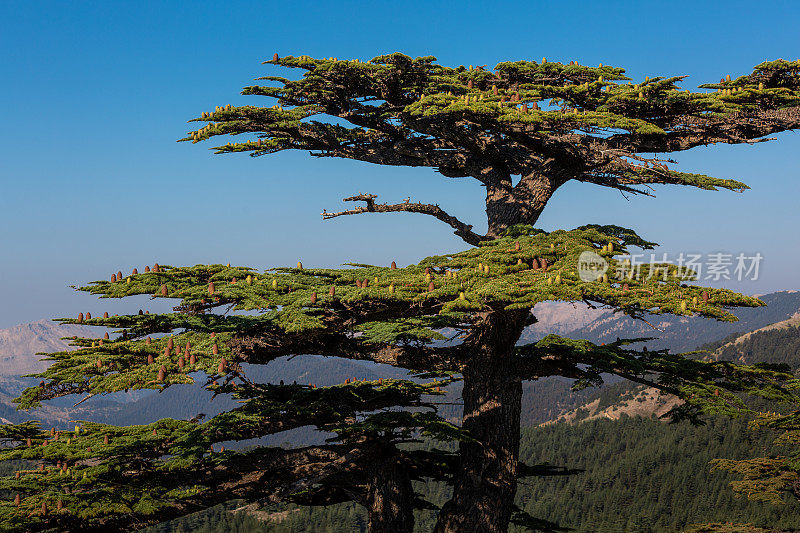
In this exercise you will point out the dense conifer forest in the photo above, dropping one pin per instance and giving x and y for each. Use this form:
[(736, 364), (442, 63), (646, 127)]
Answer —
[(636, 475)]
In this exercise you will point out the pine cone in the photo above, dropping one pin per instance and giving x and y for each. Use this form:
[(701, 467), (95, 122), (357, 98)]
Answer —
[(180, 362), (332, 292), (149, 359), (163, 290), (275, 57), (393, 265), (135, 271), (147, 269), (210, 287), (215, 349), (313, 298), (113, 278), (162, 373), (223, 366)]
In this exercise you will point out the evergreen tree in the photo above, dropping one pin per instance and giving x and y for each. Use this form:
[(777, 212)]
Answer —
[(548, 123)]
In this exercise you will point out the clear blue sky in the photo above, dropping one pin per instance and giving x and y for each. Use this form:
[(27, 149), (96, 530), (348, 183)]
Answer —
[(95, 95)]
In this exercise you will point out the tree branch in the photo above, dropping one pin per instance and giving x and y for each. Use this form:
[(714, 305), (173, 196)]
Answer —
[(462, 230)]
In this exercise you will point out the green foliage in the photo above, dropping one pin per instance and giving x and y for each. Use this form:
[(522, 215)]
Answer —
[(506, 272), (537, 101)]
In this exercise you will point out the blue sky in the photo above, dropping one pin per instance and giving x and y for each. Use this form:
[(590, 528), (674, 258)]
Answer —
[(95, 95)]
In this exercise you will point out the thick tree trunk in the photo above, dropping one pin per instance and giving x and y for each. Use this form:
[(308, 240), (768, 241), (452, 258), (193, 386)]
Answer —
[(520, 204), (483, 492), (389, 496)]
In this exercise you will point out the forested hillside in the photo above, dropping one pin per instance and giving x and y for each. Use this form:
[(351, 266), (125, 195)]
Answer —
[(637, 475)]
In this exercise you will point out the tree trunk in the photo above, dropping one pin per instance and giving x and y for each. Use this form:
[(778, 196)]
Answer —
[(483, 492), (520, 204), (389, 496)]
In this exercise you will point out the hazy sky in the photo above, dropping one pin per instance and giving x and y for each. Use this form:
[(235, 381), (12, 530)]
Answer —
[(95, 95)]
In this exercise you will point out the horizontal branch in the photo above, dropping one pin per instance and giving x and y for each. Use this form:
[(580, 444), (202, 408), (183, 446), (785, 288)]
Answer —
[(262, 347), (462, 229)]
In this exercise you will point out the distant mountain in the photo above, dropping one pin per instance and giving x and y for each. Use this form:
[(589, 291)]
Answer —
[(547, 399), (775, 343), (20, 344), (688, 333), (562, 318)]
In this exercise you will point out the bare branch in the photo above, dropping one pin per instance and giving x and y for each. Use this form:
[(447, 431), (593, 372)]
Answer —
[(462, 230)]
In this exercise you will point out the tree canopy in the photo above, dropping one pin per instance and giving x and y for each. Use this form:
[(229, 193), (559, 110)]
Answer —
[(449, 317), (546, 122)]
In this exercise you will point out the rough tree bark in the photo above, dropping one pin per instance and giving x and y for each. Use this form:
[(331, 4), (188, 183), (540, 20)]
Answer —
[(389, 496), (507, 205), (483, 493)]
